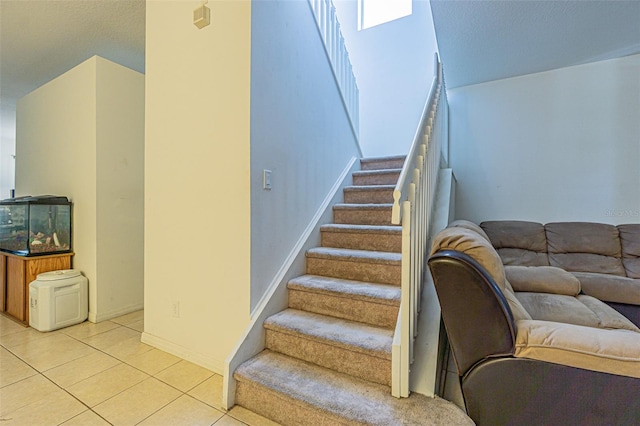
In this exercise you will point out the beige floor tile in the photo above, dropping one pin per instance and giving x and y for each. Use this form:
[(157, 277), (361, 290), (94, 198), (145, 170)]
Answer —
[(128, 349), (82, 368), (51, 409), (137, 325), (153, 361), (137, 403), (129, 318), (23, 336), (105, 385), (12, 369), (88, 329), (184, 411), (228, 421), (249, 417), (24, 392), (184, 375), (8, 326), (209, 391), (87, 418), (51, 351), (112, 337)]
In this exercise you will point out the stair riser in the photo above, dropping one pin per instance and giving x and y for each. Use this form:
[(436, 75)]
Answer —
[(280, 408), (369, 197), (362, 217), (361, 241), (350, 309), (382, 179), (381, 165), (350, 270), (356, 364)]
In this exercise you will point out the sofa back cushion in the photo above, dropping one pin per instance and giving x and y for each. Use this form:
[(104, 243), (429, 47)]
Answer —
[(518, 242), (461, 223), (630, 242), (585, 247)]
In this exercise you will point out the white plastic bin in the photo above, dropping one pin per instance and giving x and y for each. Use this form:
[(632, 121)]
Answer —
[(58, 299)]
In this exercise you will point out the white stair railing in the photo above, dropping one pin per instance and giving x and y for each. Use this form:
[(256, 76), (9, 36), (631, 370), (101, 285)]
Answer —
[(413, 208), (329, 28)]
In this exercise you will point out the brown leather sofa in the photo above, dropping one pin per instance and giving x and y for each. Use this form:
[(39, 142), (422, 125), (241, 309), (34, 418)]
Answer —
[(528, 346), (604, 258)]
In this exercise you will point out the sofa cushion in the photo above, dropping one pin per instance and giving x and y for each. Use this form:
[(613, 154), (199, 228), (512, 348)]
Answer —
[(542, 279), (585, 247), (607, 351), (610, 288), (461, 223), (630, 242), (609, 317), (518, 311), (518, 242), (474, 245), (557, 308)]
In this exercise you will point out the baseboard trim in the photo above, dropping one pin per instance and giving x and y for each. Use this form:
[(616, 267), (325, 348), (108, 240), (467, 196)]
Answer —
[(275, 298), (99, 317), (215, 365)]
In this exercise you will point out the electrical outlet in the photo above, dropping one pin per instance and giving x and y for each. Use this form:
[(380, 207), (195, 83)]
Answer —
[(175, 309)]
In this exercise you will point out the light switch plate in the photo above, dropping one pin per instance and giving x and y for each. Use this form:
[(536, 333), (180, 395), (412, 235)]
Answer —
[(266, 179)]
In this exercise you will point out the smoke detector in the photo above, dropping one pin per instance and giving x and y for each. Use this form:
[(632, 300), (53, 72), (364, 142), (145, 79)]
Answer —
[(202, 16)]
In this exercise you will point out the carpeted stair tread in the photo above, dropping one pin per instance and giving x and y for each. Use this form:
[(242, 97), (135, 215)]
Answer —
[(381, 163), (350, 335), (367, 194), (376, 177), (378, 293), (362, 229), (329, 397), (363, 256), (356, 206), (362, 214), (372, 188), (376, 172)]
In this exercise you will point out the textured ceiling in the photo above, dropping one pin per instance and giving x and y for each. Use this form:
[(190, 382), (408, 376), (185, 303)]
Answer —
[(41, 39), (484, 40), (479, 40)]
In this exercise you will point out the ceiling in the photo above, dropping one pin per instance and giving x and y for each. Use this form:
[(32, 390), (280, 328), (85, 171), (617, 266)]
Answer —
[(41, 39), (481, 40)]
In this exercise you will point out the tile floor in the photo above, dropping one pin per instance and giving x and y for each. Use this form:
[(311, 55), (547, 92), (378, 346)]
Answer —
[(101, 374)]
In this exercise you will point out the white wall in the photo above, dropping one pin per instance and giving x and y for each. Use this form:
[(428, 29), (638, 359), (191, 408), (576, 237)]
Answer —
[(120, 189), (7, 149), (56, 154), (393, 65), (554, 146), (299, 131), (197, 179), (81, 135)]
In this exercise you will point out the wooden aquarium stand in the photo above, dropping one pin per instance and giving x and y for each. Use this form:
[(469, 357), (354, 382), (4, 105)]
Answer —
[(17, 272)]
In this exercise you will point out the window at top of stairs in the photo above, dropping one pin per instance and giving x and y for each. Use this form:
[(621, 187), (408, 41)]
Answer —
[(377, 12)]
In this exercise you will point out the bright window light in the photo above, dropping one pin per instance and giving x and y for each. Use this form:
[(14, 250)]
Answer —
[(376, 12)]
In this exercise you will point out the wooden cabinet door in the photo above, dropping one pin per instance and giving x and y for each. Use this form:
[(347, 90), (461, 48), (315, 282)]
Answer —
[(16, 297), (3, 283)]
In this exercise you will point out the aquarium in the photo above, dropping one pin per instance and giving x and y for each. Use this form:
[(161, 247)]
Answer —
[(32, 226)]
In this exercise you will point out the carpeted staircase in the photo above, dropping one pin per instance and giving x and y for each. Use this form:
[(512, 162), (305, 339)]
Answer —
[(328, 356)]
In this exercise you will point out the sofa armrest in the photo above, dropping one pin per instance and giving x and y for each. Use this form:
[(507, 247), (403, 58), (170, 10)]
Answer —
[(607, 351), (542, 279)]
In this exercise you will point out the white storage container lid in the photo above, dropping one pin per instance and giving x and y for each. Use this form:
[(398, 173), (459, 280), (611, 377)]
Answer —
[(58, 275)]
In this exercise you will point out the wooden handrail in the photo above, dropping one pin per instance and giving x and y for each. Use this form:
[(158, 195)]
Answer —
[(414, 196)]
